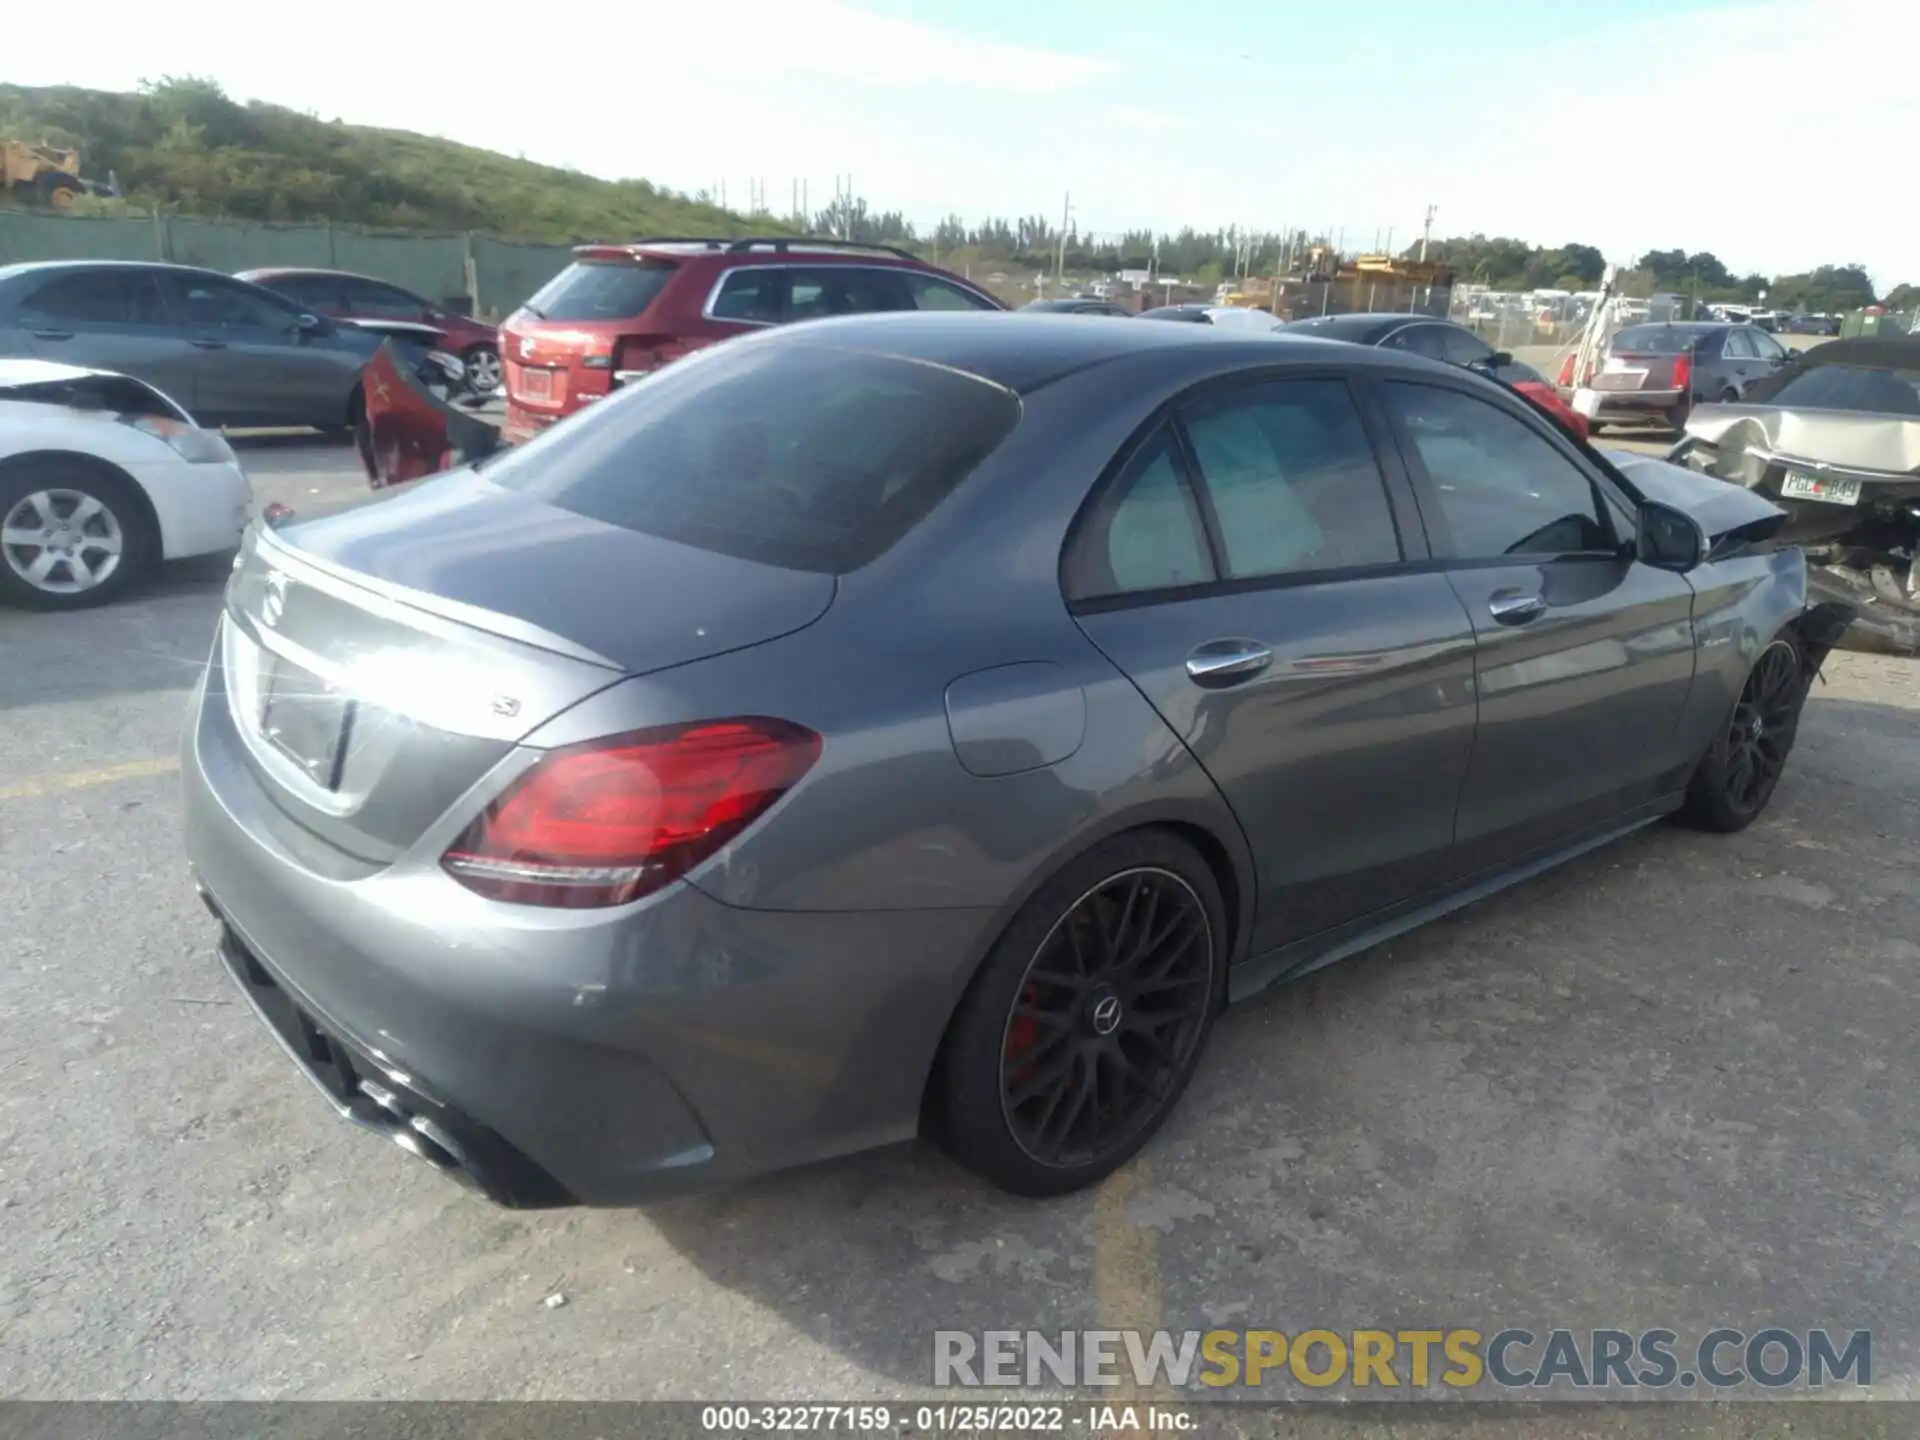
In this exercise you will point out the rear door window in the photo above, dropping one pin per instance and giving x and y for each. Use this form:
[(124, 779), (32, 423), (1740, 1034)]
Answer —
[(601, 290), (753, 296), (1145, 534), (804, 456), (1427, 340), (932, 293), (375, 301), (819, 291), (104, 298), (1292, 480), (1739, 345)]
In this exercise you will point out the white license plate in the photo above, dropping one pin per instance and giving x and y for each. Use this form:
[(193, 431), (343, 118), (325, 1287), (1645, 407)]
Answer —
[(1586, 402), (1800, 486), (536, 384)]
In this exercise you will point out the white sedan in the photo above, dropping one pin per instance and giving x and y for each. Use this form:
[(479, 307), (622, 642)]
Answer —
[(102, 478)]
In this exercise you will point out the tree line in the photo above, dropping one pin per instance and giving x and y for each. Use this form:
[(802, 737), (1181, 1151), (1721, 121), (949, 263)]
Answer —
[(182, 144), (1498, 262)]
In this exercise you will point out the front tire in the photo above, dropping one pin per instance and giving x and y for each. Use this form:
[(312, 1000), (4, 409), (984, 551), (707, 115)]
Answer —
[(1087, 1019), (73, 533), (1735, 779)]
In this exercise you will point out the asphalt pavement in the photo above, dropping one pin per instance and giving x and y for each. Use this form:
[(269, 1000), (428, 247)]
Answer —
[(1665, 1086)]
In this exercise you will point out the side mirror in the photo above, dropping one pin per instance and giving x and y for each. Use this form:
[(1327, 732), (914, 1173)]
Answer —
[(1669, 539), (311, 325), (1500, 359)]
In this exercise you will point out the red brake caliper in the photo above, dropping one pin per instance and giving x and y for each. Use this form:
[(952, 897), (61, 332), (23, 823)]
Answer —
[(1024, 1030)]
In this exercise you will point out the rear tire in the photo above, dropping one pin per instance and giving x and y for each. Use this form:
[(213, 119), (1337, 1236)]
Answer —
[(1084, 1025), (1735, 779), (74, 532), (1729, 396)]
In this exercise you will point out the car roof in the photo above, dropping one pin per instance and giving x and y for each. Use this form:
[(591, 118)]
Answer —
[(31, 267), (1026, 354), (1360, 329), (752, 251), (315, 270)]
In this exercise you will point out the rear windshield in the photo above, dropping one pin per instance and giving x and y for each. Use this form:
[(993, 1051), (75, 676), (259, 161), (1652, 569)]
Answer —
[(1656, 339), (1863, 389), (798, 455), (601, 290)]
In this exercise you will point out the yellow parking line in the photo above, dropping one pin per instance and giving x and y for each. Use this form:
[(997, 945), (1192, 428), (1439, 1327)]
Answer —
[(82, 779), (1126, 1273)]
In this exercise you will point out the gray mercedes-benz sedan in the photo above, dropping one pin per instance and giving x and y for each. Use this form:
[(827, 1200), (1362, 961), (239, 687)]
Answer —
[(927, 723)]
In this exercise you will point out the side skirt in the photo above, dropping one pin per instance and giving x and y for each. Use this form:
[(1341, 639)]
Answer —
[(1303, 957)]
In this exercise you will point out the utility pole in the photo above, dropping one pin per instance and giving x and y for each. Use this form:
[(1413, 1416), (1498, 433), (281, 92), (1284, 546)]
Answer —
[(1066, 219), (1426, 231)]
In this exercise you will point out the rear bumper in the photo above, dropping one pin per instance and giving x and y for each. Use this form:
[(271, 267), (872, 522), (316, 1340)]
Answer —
[(600, 1057), (1626, 404)]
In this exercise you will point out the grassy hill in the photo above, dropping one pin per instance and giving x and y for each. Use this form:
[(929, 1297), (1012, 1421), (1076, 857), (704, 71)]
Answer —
[(184, 145)]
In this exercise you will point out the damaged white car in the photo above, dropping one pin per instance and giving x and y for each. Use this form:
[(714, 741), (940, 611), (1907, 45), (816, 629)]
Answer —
[(102, 479)]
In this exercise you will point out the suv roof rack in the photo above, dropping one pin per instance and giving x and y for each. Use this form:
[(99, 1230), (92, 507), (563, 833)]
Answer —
[(814, 242), (776, 243)]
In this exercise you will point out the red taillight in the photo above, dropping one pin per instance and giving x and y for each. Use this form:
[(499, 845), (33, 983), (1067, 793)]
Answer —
[(1682, 371), (608, 822), (1566, 371)]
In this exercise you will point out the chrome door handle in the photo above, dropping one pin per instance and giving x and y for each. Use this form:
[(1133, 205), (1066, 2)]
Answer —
[(1227, 662), (1513, 607)]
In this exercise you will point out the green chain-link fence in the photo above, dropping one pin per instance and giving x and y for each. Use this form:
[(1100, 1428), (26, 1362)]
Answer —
[(495, 274)]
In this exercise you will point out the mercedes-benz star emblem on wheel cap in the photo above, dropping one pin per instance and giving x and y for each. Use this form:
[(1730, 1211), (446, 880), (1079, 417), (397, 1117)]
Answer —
[(1106, 1015)]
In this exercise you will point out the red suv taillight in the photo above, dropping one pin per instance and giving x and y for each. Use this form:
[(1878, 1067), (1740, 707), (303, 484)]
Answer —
[(613, 820), (1566, 371), (1682, 371)]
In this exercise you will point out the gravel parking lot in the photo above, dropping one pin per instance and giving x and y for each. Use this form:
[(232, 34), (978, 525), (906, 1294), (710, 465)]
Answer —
[(1664, 1086)]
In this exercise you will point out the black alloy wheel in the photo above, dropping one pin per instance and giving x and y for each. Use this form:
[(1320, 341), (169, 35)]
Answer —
[(1109, 1013), (1087, 1018), (1737, 777), (1761, 730)]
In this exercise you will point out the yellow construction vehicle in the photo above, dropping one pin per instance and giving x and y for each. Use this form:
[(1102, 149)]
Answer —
[(46, 174)]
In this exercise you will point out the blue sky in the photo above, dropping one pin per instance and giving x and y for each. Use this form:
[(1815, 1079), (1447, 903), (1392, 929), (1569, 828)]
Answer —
[(1769, 132)]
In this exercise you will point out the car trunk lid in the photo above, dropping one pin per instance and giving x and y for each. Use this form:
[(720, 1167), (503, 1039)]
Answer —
[(1884, 443), (378, 662)]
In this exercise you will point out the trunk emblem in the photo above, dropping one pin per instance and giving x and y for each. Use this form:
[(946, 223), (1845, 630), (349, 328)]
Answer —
[(526, 347), (506, 705), (274, 603)]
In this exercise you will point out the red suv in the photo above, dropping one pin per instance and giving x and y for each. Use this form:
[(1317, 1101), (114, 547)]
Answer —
[(345, 296), (619, 312)]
